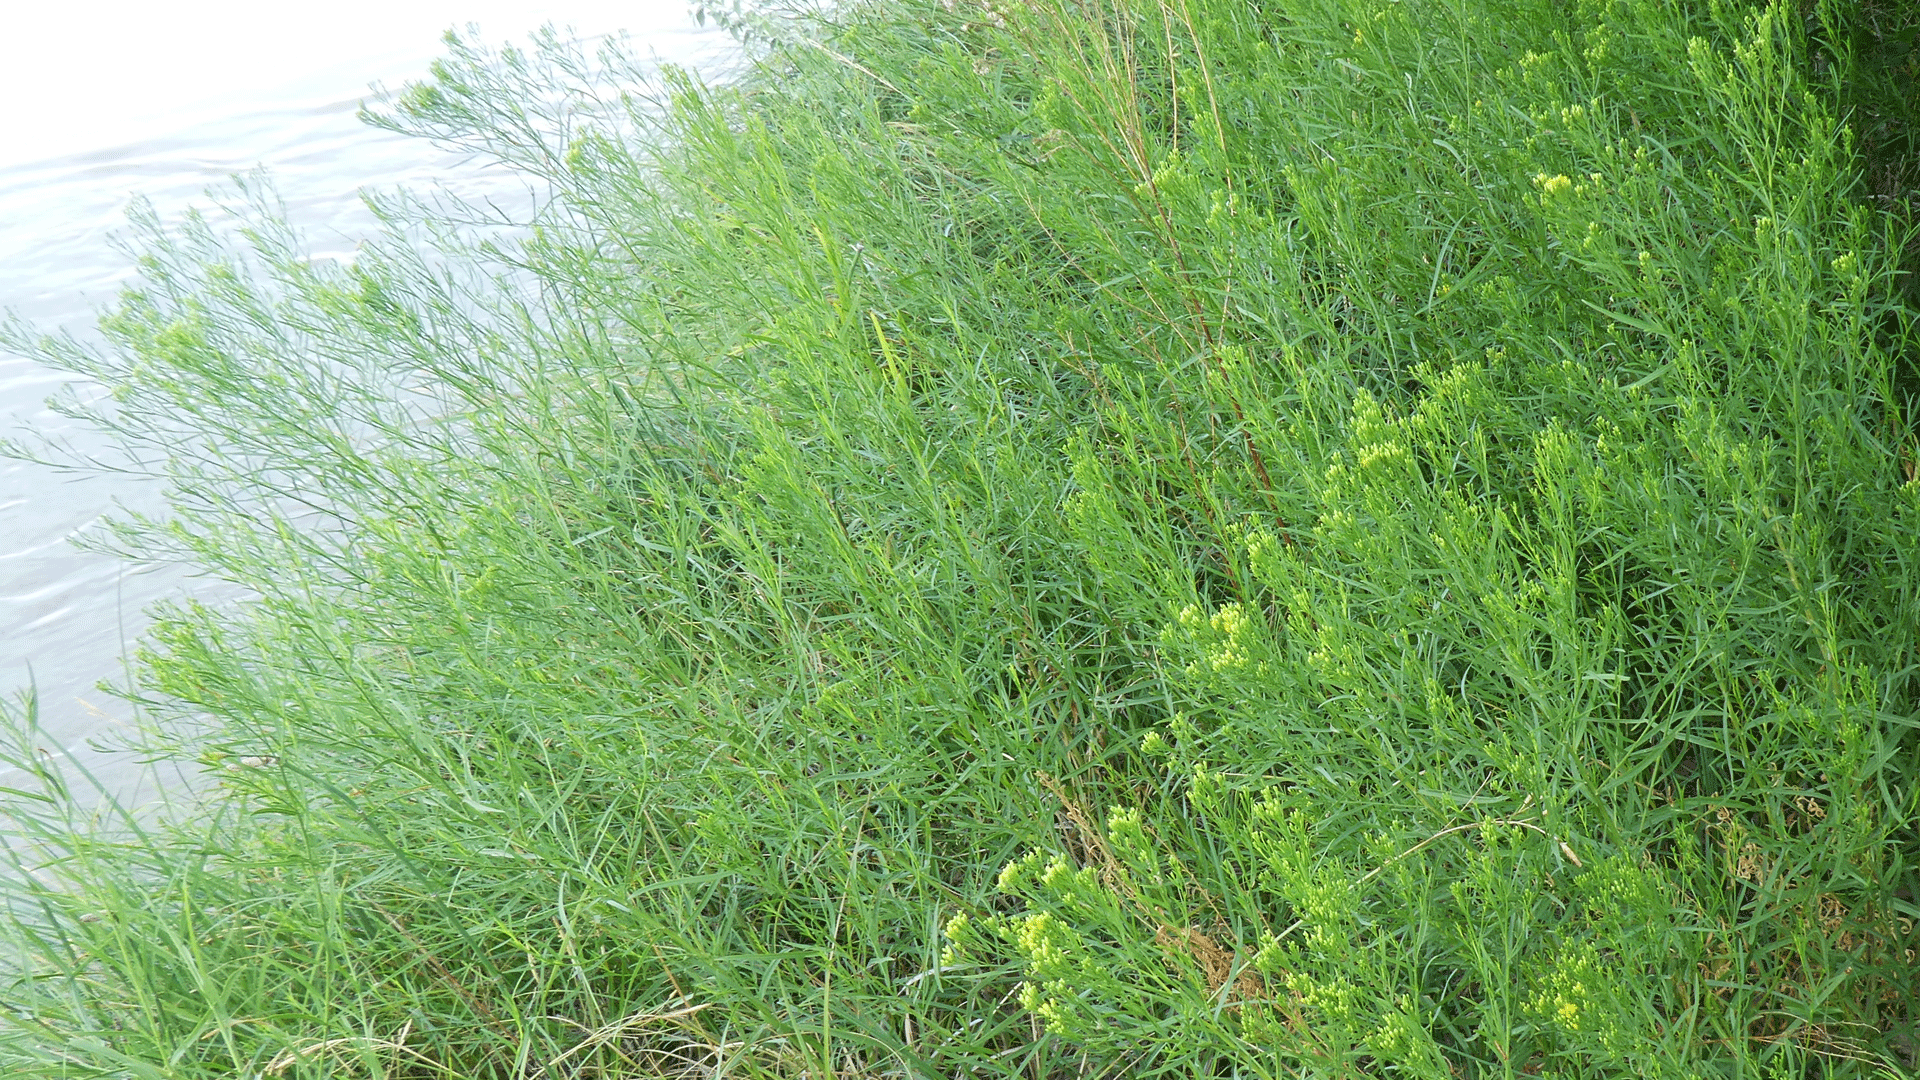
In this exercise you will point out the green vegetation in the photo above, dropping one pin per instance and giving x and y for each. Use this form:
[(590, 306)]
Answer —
[(1876, 46), (1054, 539)]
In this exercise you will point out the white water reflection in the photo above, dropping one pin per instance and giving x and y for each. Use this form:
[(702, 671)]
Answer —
[(162, 101)]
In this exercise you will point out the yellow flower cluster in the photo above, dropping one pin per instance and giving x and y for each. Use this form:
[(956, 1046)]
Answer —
[(1225, 637)]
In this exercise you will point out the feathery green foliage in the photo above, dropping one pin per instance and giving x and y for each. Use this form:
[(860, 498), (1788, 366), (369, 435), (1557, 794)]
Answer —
[(1070, 538)]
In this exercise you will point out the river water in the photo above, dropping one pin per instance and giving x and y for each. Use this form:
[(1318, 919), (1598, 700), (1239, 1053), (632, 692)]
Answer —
[(164, 101)]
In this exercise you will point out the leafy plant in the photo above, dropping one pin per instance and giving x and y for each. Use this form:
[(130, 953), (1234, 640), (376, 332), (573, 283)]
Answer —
[(1085, 537)]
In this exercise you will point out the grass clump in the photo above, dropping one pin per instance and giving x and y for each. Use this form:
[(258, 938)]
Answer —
[(1072, 538)]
